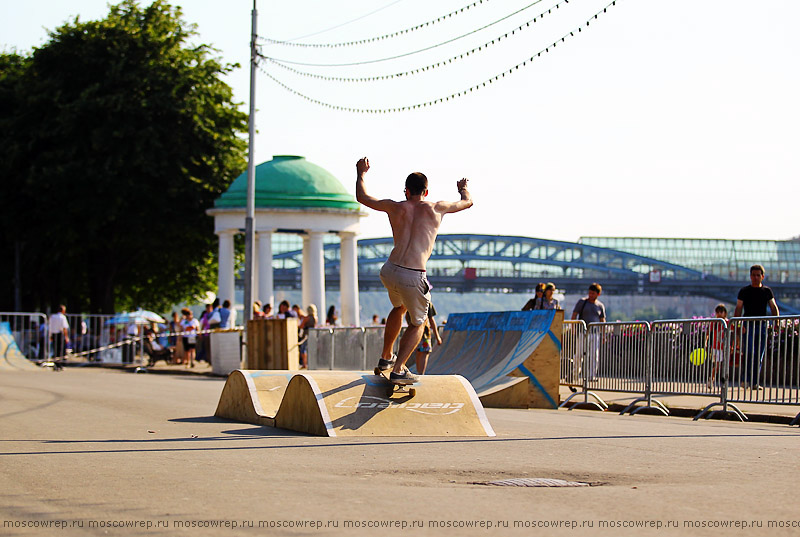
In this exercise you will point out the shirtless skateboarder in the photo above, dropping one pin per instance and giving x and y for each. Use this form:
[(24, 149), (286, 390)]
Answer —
[(415, 223)]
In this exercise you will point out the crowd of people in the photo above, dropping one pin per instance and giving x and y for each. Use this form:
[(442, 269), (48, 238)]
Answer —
[(189, 338)]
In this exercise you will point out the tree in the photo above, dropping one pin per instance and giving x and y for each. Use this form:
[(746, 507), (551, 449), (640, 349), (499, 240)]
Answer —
[(122, 136), (12, 67)]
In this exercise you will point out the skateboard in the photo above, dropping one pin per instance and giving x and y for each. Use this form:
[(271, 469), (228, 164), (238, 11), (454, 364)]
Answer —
[(55, 365), (392, 387)]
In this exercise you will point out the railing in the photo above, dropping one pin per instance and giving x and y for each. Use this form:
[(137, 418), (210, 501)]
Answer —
[(31, 333), (95, 338), (744, 360), (684, 356), (766, 360), (345, 348), (572, 338), (99, 339)]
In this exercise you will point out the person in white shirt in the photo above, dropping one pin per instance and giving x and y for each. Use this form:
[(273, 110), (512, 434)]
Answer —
[(59, 332), (190, 326)]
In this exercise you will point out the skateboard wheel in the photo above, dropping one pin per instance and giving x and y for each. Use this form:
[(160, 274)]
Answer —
[(377, 371), (412, 392)]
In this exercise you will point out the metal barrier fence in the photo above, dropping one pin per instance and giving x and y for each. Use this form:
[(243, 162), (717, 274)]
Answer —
[(354, 348), (615, 357), (97, 338), (765, 360), (686, 353), (31, 333), (745, 360), (572, 339), (100, 339)]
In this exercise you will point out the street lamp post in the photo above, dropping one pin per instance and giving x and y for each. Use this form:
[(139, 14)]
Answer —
[(249, 221)]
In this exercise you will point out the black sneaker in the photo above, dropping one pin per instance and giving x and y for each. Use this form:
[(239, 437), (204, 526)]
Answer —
[(406, 377), (383, 365)]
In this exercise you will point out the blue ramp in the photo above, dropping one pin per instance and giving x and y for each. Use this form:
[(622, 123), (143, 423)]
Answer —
[(11, 357), (486, 347)]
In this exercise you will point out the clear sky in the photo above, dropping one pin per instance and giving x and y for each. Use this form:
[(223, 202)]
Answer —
[(662, 118)]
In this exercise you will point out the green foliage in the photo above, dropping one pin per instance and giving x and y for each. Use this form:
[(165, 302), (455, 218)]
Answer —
[(122, 135)]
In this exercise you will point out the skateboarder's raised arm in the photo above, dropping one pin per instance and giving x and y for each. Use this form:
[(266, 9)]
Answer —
[(385, 205), (445, 207)]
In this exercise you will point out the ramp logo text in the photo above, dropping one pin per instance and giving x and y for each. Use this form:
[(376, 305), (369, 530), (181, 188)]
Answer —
[(368, 401)]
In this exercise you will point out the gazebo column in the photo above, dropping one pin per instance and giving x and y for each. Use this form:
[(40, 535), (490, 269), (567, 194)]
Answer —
[(305, 275), (225, 281), (316, 272), (266, 282), (348, 278)]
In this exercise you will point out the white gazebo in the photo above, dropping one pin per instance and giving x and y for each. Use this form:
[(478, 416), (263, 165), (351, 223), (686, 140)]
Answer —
[(292, 196)]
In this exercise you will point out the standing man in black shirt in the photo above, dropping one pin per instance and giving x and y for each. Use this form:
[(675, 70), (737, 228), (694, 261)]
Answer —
[(753, 301)]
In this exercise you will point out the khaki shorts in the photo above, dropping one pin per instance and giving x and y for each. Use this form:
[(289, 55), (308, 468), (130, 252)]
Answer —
[(409, 288)]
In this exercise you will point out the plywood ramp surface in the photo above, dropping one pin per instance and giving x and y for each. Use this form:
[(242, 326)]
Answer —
[(506, 392), (11, 358), (353, 403)]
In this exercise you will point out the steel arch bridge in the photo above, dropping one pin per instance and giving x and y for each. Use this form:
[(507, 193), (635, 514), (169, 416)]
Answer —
[(510, 264)]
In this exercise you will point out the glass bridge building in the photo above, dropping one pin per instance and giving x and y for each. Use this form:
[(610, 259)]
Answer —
[(723, 258)]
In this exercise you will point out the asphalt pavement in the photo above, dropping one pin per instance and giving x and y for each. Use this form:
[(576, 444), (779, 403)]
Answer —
[(90, 451)]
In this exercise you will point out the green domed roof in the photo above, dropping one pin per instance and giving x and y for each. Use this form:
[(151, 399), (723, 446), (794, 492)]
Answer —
[(291, 182)]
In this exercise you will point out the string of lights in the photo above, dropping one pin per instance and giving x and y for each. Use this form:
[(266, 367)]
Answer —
[(452, 96), (443, 63), (365, 62), (377, 38), (340, 25)]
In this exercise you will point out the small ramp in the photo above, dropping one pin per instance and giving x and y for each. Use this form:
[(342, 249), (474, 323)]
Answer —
[(506, 392), (490, 349), (352, 403), (11, 357)]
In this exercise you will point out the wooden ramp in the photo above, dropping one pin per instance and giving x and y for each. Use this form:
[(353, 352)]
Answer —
[(11, 358), (352, 403), (490, 349), (506, 392)]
